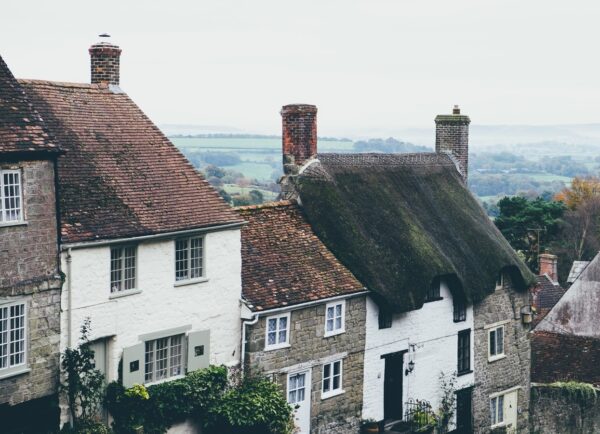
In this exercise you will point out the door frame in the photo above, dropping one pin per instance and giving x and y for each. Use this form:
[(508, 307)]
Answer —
[(462, 391), (307, 392), (400, 355)]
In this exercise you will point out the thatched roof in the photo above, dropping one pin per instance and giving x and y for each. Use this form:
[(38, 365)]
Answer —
[(400, 222)]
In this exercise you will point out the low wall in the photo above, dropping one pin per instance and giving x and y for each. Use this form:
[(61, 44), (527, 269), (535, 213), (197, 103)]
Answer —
[(555, 410)]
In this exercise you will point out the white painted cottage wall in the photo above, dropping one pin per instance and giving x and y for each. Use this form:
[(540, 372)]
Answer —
[(160, 305), (435, 335)]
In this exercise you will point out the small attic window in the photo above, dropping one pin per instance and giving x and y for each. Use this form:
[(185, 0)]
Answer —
[(433, 294), (500, 280)]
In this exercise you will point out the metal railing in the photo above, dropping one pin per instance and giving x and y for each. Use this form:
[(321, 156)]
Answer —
[(418, 414)]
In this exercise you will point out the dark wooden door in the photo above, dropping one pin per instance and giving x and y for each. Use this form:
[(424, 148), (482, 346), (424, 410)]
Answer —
[(392, 386), (464, 417)]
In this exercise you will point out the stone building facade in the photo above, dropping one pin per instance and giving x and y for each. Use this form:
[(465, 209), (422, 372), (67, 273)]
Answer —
[(309, 349), (305, 319), (30, 280), (502, 373)]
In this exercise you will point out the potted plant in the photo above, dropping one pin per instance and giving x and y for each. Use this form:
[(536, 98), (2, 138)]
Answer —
[(369, 426)]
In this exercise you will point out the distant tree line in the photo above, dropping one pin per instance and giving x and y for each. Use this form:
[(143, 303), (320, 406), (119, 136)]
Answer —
[(567, 224), (389, 145)]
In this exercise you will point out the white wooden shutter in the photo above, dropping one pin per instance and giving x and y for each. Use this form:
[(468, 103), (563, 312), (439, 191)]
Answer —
[(198, 350), (133, 365)]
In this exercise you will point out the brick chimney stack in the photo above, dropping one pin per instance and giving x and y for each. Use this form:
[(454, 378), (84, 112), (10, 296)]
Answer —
[(452, 135), (105, 61), (549, 266), (299, 141)]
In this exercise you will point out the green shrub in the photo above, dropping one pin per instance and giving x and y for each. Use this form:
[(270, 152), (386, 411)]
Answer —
[(249, 406)]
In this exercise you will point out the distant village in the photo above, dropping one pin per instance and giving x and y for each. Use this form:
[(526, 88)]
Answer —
[(374, 295)]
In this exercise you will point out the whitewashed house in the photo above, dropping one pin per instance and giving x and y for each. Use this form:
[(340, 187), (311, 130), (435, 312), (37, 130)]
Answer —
[(150, 252), (408, 228)]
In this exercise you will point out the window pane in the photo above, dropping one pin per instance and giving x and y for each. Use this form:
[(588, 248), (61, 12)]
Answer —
[(3, 337), (282, 337), (326, 385), (329, 325), (501, 409), (292, 397), (149, 362), (330, 313), (493, 410), (161, 358), (300, 397), (196, 257), (283, 323), (272, 324), (336, 382), (129, 268), (327, 371), (271, 338), (336, 368), (176, 351), (116, 269), (181, 260), (500, 340), (338, 310), (492, 337), (338, 323)]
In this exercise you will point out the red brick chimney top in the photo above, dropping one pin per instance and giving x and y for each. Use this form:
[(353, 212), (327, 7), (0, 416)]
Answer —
[(105, 62), (549, 266), (299, 133)]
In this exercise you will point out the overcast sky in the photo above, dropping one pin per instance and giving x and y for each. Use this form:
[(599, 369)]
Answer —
[(367, 64)]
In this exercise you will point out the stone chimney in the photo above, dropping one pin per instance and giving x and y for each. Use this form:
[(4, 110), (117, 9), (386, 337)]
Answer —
[(299, 135), (452, 136), (105, 60), (549, 266)]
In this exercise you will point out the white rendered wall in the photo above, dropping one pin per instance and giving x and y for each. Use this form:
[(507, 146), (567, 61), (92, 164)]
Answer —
[(435, 336), (160, 305)]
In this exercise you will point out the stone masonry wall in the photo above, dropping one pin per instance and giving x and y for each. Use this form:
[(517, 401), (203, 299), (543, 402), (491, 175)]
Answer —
[(336, 415), (511, 371), (555, 411), (29, 271)]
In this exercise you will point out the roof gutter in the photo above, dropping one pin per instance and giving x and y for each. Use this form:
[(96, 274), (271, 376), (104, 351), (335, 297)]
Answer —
[(85, 244), (307, 304)]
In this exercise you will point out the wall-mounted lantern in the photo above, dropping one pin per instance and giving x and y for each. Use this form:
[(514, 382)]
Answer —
[(411, 367), (527, 314)]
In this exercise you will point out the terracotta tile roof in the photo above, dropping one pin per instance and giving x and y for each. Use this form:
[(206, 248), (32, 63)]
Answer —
[(120, 177), (21, 128), (283, 261), (558, 357)]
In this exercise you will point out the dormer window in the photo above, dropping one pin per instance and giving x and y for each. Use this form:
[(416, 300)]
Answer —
[(11, 202), (500, 280), (433, 294), (460, 311)]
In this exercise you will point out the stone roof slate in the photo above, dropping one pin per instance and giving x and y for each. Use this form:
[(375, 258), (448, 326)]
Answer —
[(21, 127), (546, 295), (576, 270), (284, 263), (120, 177)]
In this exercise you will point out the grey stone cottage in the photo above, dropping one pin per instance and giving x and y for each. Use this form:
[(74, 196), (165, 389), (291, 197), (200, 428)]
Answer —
[(30, 281), (304, 318)]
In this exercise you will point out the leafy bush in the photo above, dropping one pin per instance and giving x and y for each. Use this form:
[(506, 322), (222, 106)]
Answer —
[(248, 406)]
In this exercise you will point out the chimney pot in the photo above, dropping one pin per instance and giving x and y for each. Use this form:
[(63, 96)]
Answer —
[(105, 62), (456, 110), (299, 134)]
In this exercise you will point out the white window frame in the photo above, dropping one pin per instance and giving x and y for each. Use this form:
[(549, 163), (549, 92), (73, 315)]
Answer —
[(332, 392), (3, 215), (5, 348), (169, 359), (342, 328), (188, 249), (495, 411), (497, 355), (277, 330), (123, 248)]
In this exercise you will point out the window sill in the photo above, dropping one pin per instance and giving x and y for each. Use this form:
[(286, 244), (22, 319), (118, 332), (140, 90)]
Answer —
[(14, 372), (164, 380), (332, 394), (277, 347), (125, 293), (190, 281), (496, 358), (459, 374), (19, 223), (334, 333), (431, 300)]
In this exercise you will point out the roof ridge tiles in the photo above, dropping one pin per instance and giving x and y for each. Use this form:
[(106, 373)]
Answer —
[(265, 205)]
